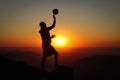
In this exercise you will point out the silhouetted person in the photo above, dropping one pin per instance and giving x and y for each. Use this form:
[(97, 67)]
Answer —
[(48, 49)]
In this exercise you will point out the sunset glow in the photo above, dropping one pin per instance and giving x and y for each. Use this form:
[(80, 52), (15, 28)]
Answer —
[(59, 41), (81, 23)]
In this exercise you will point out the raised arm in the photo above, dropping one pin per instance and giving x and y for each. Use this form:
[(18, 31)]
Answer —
[(54, 22)]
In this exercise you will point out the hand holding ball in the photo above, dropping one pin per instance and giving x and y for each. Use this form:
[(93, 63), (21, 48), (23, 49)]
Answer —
[(55, 11)]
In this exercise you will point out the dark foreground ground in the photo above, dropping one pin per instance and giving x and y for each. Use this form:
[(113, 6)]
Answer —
[(93, 67), (99, 68), (11, 70)]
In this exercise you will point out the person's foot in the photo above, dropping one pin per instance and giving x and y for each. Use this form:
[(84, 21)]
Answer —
[(43, 70), (57, 67)]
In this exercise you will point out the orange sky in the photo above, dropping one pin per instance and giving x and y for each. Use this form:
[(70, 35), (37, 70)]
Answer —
[(83, 24)]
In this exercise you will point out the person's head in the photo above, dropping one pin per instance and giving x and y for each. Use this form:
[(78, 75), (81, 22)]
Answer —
[(42, 24)]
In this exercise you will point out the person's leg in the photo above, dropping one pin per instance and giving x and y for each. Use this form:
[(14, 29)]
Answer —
[(43, 62), (56, 59), (53, 51)]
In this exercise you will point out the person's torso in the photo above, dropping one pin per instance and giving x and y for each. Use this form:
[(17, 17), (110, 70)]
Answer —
[(45, 35)]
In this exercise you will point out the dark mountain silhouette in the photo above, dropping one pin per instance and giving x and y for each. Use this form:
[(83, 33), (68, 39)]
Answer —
[(88, 64), (99, 68), (14, 70), (10, 69)]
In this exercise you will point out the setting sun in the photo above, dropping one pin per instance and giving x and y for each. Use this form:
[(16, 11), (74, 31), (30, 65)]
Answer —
[(59, 41)]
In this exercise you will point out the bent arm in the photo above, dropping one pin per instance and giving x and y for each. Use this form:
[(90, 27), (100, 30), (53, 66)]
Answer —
[(54, 22), (52, 36)]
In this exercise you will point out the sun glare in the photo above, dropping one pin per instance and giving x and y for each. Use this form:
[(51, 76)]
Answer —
[(59, 41)]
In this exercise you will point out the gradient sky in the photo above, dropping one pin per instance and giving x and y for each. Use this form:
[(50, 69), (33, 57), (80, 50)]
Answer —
[(81, 22)]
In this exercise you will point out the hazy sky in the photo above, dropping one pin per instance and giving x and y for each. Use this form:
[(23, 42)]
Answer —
[(81, 22)]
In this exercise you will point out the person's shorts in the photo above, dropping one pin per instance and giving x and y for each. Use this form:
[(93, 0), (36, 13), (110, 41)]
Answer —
[(49, 50)]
